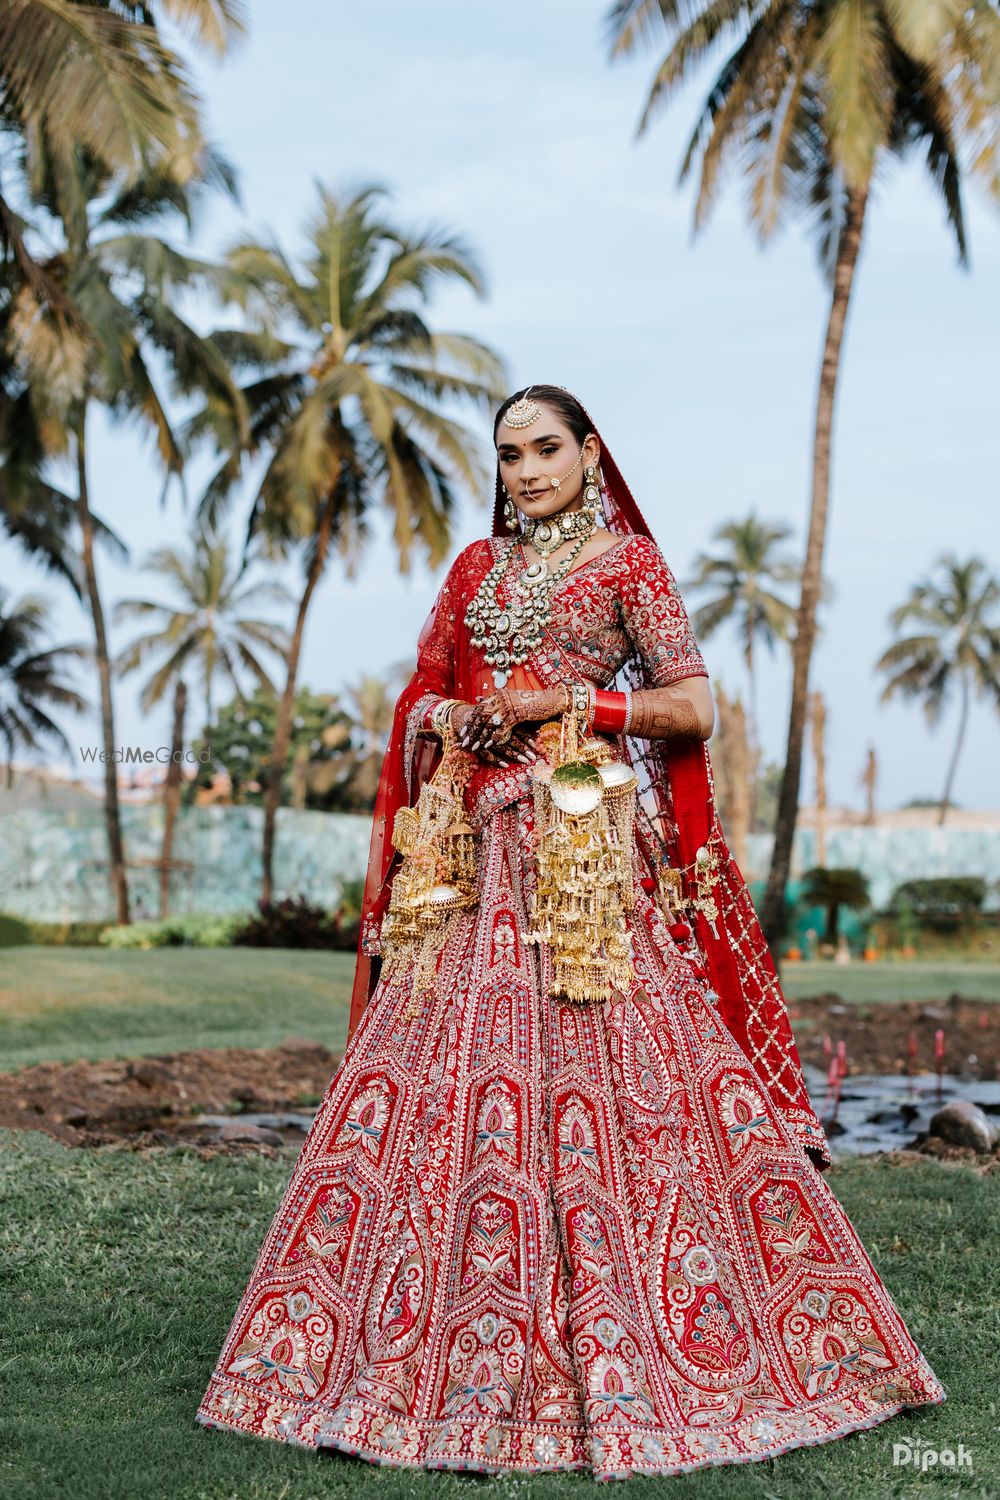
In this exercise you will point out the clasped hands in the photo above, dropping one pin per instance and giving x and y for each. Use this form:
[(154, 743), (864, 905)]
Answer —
[(494, 728)]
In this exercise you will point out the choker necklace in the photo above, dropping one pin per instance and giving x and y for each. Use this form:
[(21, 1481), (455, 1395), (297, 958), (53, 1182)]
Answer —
[(547, 535)]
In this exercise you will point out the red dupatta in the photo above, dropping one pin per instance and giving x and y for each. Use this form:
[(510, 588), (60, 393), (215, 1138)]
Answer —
[(677, 793)]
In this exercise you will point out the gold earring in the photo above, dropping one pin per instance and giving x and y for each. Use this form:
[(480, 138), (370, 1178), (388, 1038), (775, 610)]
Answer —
[(509, 513), (591, 493)]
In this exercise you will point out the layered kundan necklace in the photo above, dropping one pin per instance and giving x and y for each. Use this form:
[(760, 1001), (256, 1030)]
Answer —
[(510, 633)]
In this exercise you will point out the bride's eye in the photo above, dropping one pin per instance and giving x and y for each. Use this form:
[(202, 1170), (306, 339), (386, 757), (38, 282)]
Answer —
[(549, 448)]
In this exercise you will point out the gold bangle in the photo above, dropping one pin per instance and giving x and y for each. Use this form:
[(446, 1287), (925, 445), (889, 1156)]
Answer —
[(441, 715)]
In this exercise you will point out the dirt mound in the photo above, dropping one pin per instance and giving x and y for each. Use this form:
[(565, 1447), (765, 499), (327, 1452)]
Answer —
[(153, 1100), (877, 1036), (157, 1101)]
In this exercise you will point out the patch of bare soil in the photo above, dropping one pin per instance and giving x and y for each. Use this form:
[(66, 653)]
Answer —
[(877, 1037), (150, 1101), (156, 1101)]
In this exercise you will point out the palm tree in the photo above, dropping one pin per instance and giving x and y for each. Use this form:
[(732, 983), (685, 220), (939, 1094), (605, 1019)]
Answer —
[(832, 889), (347, 404), (370, 704), (31, 679), (956, 644), (208, 631), (810, 101), (741, 576), (92, 78), (121, 281)]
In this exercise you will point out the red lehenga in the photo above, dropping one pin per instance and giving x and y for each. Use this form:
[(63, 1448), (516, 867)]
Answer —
[(525, 1233)]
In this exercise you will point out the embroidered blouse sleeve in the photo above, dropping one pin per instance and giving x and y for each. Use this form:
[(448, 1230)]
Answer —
[(654, 616)]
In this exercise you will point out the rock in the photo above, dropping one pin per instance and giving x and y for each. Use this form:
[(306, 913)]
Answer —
[(250, 1134), (75, 1114), (149, 1073), (962, 1123)]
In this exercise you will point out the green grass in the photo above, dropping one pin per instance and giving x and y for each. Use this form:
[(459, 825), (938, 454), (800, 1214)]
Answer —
[(123, 1272), (860, 982), (62, 1003)]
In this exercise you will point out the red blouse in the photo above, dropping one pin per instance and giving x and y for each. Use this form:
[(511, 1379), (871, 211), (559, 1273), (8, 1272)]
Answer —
[(606, 608)]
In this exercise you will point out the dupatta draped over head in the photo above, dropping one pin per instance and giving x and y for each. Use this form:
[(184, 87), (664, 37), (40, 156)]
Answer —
[(680, 818)]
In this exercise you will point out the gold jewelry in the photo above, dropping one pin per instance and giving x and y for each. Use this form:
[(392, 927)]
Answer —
[(441, 715), (509, 635), (510, 514), (437, 879), (547, 535), (585, 816), (591, 492), (522, 412), (558, 483)]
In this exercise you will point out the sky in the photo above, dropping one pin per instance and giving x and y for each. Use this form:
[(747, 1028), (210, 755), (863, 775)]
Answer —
[(698, 355)]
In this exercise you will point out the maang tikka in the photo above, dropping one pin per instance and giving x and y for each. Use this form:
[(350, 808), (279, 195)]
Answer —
[(522, 412)]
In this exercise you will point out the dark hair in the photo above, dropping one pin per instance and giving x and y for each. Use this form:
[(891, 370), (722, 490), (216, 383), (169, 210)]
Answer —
[(567, 406)]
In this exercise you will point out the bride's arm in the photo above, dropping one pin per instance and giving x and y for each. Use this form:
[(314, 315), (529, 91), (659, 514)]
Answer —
[(684, 710)]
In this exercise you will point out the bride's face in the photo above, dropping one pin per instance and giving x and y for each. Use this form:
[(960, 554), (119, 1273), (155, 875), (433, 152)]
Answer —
[(531, 457)]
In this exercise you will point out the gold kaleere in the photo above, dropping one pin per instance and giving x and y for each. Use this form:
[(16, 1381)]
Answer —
[(437, 879), (584, 819), (706, 878)]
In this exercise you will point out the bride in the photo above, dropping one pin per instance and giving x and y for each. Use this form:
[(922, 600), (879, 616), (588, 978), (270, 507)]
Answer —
[(562, 1205)]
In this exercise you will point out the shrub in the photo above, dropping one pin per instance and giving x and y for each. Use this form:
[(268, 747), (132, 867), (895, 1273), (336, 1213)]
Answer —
[(946, 903), (190, 930), (13, 931), (66, 934), (294, 922)]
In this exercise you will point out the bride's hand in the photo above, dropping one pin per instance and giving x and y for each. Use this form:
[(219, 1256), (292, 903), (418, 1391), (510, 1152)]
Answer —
[(477, 729), (490, 723)]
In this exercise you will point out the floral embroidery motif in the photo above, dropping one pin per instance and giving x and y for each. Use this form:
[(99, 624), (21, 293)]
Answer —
[(287, 1345), (365, 1120), (744, 1114), (497, 1123)]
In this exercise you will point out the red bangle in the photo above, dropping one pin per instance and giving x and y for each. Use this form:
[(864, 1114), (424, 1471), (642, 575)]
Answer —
[(609, 714)]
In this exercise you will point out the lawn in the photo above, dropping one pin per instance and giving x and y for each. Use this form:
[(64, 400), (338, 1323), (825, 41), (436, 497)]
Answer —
[(122, 1272), (61, 1003), (860, 982)]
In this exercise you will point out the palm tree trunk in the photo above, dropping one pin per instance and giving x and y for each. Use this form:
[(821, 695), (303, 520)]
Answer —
[(112, 816), (962, 722), (172, 795), (753, 738), (773, 910), (740, 790), (283, 728)]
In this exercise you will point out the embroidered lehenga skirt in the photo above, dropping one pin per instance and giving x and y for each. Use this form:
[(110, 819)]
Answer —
[(525, 1233)]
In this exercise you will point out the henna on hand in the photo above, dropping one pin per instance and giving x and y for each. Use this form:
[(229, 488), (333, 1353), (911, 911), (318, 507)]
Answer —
[(662, 714), (492, 721), (518, 749)]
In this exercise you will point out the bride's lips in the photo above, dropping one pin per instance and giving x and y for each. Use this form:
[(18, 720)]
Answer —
[(532, 494)]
